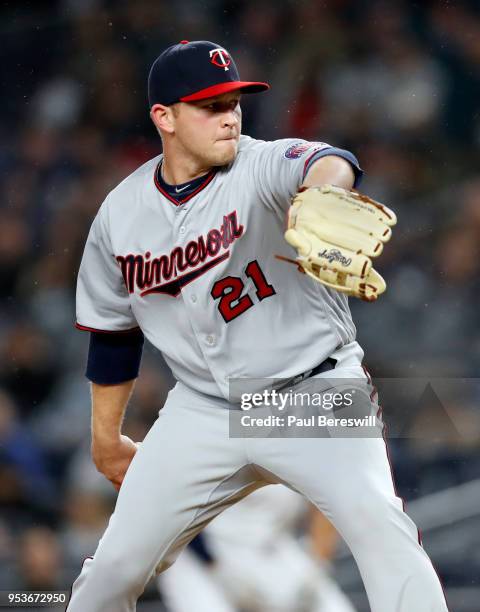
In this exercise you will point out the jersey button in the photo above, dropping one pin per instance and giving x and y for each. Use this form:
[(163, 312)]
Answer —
[(210, 340), (193, 298), (182, 229)]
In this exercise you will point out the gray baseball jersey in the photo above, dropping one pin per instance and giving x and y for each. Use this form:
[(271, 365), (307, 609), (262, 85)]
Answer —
[(200, 278)]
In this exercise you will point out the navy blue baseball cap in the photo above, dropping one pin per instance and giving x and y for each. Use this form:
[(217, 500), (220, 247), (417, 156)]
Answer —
[(196, 70)]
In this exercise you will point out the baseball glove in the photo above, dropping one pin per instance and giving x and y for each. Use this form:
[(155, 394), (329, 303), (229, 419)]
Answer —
[(336, 233)]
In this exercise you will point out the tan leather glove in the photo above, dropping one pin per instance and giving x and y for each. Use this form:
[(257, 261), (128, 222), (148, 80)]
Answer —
[(336, 233)]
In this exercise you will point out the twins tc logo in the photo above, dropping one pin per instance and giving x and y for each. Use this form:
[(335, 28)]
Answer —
[(219, 57)]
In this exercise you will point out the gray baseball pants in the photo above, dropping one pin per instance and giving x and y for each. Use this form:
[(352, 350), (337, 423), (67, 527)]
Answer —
[(188, 470)]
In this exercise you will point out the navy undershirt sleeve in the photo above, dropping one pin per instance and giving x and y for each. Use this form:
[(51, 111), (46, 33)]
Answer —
[(114, 358)]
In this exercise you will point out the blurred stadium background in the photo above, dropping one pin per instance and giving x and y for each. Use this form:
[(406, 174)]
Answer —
[(396, 82)]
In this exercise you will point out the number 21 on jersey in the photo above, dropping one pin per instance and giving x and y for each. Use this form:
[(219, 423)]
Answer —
[(228, 291)]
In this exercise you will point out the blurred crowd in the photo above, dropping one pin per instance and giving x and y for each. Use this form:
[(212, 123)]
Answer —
[(395, 82)]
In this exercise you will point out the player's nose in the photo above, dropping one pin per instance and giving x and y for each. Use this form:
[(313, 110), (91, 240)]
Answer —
[(230, 119)]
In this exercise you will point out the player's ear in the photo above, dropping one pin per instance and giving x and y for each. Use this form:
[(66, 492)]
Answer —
[(163, 117)]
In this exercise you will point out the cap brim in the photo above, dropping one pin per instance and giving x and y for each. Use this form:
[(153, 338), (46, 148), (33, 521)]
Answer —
[(221, 88)]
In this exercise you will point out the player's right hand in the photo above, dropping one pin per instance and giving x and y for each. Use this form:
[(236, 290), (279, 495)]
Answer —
[(112, 459)]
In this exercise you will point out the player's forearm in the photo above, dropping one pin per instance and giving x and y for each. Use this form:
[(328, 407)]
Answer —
[(109, 403), (331, 169)]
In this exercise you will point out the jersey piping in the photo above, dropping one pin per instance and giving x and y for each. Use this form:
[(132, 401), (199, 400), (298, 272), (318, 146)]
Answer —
[(178, 201), (106, 331)]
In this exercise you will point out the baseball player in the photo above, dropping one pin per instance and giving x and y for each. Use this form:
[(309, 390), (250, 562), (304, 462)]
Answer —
[(183, 252), (257, 562)]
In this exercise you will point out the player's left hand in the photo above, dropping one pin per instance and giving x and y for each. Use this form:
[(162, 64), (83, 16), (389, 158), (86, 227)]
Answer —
[(336, 233)]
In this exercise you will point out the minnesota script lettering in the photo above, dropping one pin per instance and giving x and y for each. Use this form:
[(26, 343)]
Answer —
[(164, 274)]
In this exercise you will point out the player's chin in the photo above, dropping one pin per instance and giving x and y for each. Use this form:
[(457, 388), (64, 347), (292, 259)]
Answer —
[(226, 151)]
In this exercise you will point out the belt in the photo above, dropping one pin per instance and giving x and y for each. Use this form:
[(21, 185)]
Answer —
[(325, 366)]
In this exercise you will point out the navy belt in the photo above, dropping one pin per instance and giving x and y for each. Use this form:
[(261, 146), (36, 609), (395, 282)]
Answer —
[(325, 366)]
